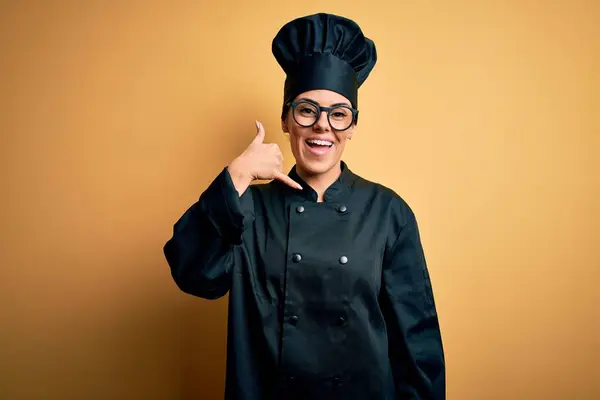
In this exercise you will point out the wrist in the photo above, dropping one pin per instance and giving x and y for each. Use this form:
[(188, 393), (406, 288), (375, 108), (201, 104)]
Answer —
[(239, 175), (238, 170)]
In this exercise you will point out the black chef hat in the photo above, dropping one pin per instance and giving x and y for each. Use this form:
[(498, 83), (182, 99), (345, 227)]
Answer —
[(323, 51)]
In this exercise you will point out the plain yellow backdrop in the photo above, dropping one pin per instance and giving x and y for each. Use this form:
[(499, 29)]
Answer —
[(483, 115)]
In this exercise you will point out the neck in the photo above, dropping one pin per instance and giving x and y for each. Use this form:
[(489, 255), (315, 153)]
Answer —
[(320, 182)]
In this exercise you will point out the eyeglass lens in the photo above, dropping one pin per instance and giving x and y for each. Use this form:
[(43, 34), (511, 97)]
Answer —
[(306, 114)]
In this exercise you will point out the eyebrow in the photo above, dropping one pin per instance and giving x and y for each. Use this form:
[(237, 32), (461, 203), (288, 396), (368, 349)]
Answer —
[(317, 103)]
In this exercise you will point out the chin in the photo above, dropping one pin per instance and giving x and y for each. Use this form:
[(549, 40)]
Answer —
[(316, 167)]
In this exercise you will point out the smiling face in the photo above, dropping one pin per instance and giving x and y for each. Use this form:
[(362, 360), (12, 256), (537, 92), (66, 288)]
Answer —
[(318, 149)]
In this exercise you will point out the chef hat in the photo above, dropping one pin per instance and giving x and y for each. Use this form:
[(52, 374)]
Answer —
[(324, 51)]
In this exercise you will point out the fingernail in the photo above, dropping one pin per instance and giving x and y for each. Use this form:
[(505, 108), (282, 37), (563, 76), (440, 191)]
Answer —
[(256, 122)]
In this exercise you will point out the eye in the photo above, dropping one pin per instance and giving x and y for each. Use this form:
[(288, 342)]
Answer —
[(340, 113), (306, 110)]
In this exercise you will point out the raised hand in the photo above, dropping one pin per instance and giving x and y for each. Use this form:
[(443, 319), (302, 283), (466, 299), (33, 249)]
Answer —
[(259, 161)]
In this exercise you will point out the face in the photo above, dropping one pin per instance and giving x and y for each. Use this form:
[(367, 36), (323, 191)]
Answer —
[(317, 149)]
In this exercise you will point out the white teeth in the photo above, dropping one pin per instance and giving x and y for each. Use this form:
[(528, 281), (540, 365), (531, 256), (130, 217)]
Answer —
[(320, 142)]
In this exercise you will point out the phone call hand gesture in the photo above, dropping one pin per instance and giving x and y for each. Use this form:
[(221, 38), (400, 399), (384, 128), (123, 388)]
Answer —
[(260, 160)]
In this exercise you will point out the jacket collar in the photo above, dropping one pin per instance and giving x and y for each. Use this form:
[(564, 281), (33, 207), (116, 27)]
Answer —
[(339, 187)]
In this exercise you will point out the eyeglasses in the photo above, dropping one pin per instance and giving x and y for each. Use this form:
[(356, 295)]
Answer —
[(340, 117)]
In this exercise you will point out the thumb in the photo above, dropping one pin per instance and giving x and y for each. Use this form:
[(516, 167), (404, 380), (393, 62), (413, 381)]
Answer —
[(260, 133)]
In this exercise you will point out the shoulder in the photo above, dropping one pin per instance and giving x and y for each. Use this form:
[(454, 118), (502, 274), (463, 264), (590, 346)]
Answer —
[(398, 209)]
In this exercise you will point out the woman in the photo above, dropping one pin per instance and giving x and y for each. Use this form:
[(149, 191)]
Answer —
[(329, 294)]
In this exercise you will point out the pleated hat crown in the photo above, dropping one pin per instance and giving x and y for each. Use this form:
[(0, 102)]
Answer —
[(324, 51)]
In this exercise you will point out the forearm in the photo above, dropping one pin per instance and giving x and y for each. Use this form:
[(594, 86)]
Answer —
[(199, 260), (201, 252), (417, 361), (415, 342)]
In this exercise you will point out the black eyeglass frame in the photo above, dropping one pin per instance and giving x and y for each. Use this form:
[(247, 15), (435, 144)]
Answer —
[(320, 109)]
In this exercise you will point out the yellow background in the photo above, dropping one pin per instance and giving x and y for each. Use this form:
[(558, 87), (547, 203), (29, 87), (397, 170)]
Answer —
[(483, 115)]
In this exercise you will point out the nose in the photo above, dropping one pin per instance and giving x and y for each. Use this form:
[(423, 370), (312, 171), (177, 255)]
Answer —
[(322, 123)]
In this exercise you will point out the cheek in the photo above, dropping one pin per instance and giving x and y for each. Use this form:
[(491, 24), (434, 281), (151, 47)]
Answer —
[(295, 141), (342, 140), (297, 135)]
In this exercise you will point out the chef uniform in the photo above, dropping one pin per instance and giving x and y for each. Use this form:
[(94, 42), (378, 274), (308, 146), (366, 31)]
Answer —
[(327, 300)]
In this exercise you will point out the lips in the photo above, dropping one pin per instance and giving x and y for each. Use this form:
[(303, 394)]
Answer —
[(319, 142), (319, 147)]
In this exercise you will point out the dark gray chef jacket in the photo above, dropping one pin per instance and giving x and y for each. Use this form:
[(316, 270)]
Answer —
[(327, 300)]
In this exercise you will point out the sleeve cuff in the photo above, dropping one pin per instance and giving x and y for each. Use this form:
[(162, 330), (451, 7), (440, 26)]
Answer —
[(228, 213)]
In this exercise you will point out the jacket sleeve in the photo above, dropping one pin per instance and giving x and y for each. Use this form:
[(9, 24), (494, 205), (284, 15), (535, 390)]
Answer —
[(414, 337), (202, 250)]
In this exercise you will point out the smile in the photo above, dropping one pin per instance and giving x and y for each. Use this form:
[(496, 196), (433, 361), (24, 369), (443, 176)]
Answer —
[(319, 147)]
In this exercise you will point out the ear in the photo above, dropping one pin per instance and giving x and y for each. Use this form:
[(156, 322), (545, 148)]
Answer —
[(351, 132), (284, 126)]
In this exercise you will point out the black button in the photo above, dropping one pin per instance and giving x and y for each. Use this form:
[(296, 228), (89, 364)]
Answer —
[(341, 320), (300, 209), (296, 258), (294, 319), (337, 381), (343, 260), (342, 208)]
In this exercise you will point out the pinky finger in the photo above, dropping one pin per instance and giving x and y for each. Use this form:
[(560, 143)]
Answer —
[(287, 180)]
